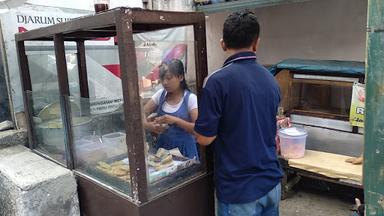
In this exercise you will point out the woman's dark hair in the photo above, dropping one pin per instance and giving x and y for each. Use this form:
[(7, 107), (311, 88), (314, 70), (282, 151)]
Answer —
[(240, 29), (176, 68)]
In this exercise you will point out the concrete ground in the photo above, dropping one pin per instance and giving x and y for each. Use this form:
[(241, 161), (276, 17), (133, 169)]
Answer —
[(321, 200), (310, 203), (317, 198)]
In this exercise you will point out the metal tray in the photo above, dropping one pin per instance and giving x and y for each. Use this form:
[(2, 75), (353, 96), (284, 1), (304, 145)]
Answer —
[(186, 170)]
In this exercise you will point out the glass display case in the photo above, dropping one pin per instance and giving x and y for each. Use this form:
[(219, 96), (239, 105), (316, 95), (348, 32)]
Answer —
[(87, 109)]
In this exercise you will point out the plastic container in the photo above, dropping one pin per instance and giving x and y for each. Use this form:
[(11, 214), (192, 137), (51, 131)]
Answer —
[(114, 144), (292, 142), (89, 149)]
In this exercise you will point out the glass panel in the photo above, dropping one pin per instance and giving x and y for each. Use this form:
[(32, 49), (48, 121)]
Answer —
[(319, 97), (102, 68), (166, 65), (42, 67), (47, 125), (100, 149), (45, 99)]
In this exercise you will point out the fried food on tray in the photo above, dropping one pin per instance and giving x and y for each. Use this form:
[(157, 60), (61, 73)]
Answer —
[(161, 153), (162, 159), (104, 165), (117, 168)]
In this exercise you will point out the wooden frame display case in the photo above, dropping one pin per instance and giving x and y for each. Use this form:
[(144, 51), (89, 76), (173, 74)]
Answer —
[(114, 180)]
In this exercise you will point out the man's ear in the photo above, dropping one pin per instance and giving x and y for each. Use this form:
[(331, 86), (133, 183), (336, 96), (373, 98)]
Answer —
[(255, 45), (223, 46)]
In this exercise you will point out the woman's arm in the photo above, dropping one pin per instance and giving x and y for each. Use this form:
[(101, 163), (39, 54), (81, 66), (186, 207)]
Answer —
[(150, 107)]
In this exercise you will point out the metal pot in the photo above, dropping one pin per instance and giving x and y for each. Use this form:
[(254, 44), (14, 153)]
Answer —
[(51, 135)]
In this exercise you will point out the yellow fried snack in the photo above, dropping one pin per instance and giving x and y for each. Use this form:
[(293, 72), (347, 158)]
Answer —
[(154, 158), (117, 172), (166, 160), (122, 167), (175, 152), (153, 163), (116, 163), (117, 168), (163, 166), (104, 165), (125, 178), (102, 168), (110, 172), (162, 153)]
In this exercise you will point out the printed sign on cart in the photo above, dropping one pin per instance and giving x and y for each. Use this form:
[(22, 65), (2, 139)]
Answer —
[(357, 111)]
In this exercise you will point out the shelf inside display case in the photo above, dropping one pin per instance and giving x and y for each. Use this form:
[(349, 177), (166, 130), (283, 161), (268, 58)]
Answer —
[(116, 172)]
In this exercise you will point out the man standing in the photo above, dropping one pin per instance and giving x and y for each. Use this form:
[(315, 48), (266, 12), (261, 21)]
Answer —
[(237, 113)]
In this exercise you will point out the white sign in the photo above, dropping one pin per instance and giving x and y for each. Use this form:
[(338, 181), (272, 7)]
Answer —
[(105, 106)]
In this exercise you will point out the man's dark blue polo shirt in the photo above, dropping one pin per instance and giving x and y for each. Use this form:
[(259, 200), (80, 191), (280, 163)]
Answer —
[(239, 105)]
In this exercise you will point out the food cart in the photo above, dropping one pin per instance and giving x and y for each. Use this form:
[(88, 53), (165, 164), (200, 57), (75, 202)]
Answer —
[(117, 170), (316, 95)]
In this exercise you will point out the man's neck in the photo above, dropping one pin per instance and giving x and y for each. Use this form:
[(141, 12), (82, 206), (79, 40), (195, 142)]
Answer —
[(231, 52)]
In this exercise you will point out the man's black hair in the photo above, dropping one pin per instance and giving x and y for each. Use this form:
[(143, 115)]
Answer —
[(240, 29)]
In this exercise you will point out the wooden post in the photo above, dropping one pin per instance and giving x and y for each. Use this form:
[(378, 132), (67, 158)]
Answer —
[(132, 109), (374, 121), (62, 74)]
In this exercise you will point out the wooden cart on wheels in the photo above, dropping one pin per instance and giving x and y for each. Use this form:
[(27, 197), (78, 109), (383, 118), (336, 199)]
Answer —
[(317, 95)]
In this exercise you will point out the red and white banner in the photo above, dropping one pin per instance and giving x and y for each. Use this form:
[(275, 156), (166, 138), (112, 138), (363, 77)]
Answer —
[(101, 55)]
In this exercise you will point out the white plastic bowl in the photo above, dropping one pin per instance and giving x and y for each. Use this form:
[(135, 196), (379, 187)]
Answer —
[(89, 149), (114, 143)]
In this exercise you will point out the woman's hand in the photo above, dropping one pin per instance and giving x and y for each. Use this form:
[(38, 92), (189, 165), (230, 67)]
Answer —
[(151, 117), (166, 119), (155, 127)]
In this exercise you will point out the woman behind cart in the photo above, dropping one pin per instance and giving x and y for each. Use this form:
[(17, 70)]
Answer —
[(176, 111)]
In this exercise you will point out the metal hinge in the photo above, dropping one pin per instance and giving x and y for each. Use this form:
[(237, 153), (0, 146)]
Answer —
[(375, 29)]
